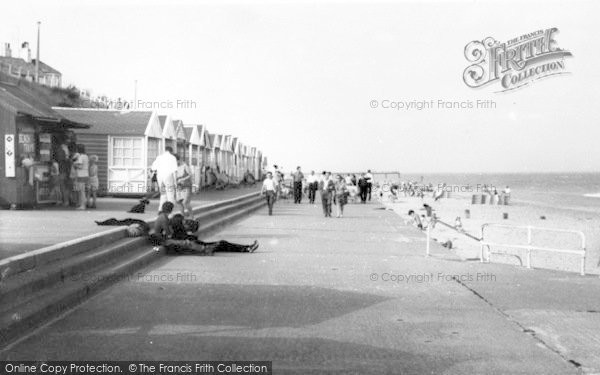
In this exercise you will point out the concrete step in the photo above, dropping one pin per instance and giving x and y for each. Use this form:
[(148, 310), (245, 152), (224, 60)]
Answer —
[(15, 289), (48, 303), (36, 294)]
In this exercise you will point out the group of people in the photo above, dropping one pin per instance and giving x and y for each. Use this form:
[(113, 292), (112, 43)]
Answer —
[(173, 179), (73, 176), (176, 234), (332, 190)]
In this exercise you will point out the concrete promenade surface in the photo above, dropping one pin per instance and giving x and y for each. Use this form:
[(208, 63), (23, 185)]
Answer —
[(335, 296), (26, 230)]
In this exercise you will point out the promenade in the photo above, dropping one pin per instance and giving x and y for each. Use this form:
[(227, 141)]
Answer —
[(335, 296), (26, 230)]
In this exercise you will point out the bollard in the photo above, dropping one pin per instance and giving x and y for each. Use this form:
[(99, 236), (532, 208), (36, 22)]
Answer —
[(505, 215), (467, 214)]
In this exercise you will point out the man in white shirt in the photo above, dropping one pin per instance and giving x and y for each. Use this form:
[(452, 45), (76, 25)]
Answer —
[(165, 166), (313, 185), (269, 189)]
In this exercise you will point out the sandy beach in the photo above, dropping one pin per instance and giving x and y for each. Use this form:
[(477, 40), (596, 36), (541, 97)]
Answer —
[(520, 213)]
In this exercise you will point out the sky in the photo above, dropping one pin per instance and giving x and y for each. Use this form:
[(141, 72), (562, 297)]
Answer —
[(297, 79)]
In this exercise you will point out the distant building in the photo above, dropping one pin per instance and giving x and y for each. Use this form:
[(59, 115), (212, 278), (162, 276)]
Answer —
[(25, 69)]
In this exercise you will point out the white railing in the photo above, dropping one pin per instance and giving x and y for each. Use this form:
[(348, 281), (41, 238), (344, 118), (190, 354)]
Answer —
[(529, 247)]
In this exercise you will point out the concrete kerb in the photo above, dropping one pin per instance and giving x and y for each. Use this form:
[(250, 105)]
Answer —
[(40, 257)]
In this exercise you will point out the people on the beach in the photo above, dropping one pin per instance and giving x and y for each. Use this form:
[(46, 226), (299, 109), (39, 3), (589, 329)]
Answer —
[(416, 220), (165, 166), (506, 194)]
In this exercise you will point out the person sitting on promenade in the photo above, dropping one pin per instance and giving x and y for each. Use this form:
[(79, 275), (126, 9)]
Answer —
[(416, 219), (175, 236), (248, 178)]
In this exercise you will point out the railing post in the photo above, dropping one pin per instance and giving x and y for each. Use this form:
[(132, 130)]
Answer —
[(481, 249), (427, 249), (529, 246)]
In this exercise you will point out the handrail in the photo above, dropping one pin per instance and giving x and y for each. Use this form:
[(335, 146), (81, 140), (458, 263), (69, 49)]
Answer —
[(529, 247)]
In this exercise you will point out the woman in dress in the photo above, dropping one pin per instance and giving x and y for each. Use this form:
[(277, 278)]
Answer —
[(341, 195), (184, 186)]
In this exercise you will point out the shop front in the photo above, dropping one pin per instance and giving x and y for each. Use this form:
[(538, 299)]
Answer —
[(32, 136)]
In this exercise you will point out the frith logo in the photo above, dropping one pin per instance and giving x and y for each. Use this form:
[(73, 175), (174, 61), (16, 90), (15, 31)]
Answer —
[(515, 63)]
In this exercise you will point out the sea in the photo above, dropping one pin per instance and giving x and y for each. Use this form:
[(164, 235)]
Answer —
[(568, 191)]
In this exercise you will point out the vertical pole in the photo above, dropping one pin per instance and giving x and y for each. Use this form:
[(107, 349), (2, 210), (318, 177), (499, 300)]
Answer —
[(529, 246), (481, 249), (37, 55), (428, 238)]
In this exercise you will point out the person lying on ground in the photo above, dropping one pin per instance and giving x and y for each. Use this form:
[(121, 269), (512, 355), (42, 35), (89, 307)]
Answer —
[(176, 235)]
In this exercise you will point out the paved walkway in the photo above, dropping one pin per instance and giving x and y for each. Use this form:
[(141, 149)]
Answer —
[(336, 296), (26, 230)]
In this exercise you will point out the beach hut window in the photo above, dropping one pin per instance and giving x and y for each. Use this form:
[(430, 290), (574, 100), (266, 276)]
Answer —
[(127, 152)]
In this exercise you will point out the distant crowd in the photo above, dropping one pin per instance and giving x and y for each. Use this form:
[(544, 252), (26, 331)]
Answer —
[(333, 190)]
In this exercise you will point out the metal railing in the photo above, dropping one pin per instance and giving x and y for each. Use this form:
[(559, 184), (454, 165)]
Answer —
[(484, 255), (529, 247)]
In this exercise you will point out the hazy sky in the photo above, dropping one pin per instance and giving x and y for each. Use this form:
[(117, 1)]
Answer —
[(296, 78)]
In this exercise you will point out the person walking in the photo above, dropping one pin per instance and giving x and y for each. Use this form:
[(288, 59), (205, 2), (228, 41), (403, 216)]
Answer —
[(94, 182), (369, 177), (297, 178), (327, 187), (313, 186), (362, 187), (81, 164), (341, 195), (165, 166), (269, 190), (184, 186)]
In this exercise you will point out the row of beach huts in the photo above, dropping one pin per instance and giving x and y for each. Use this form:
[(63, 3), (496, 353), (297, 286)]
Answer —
[(127, 142)]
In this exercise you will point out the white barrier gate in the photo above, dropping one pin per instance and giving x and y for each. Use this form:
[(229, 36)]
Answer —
[(485, 256)]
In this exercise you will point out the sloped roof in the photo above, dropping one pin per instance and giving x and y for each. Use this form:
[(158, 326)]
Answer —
[(17, 62), (188, 133), (162, 119), (17, 101), (218, 138), (105, 121)]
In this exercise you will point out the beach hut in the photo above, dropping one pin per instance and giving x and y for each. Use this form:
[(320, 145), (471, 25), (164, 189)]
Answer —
[(126, 142), (181, 140), (169, 133), (252, 165), (219, 152), (235, 153), (199, 152), (32, 131)]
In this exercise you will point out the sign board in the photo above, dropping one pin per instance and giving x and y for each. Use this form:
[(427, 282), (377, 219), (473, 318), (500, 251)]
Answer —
[(9, 155)]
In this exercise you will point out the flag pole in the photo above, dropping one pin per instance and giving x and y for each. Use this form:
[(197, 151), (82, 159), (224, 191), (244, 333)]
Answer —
[(37, 56)]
